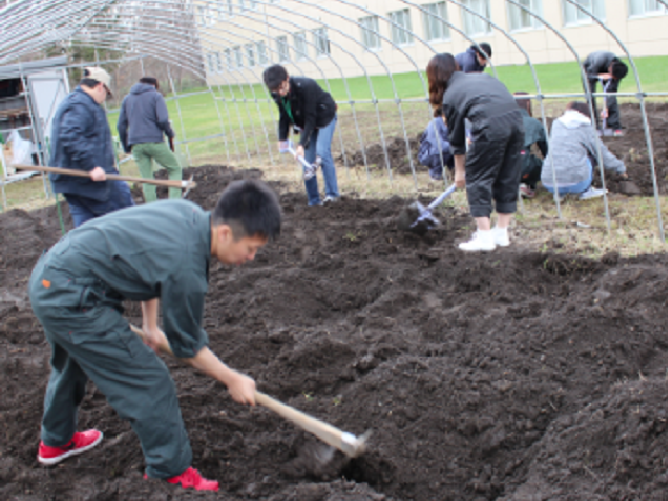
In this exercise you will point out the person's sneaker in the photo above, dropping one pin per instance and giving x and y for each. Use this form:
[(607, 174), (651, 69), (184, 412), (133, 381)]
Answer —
[(593, 193), (191, 478), (480, 241), (618, 132), (81, 442), (526, 191), (328, 199), (501, 236)]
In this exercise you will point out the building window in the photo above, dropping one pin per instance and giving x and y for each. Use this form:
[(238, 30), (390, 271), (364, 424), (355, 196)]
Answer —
[(370, 38), (473, 24), (520, 19), (209, 58), (225, 9), (435, 28), (282, 49), (228, 59), (219, 62), (301, 48), (238, 57), (574, 15), (646, 7), (262, 56), (250, 54), (201, 16), (321, 42), (247, 5), (402, 30)]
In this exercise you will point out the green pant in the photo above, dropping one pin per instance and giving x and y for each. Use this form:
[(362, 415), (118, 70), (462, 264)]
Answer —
[(144, 154), (93, 341)]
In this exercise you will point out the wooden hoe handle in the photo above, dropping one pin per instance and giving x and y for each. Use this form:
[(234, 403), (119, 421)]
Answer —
[(110, 177), (346, 442)]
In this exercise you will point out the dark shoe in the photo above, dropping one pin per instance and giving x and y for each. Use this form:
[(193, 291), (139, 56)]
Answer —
[(81, 442), (526, 191)]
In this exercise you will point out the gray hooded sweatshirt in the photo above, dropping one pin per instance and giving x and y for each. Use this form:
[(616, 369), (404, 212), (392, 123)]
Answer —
[(572, 141), (143, 117)]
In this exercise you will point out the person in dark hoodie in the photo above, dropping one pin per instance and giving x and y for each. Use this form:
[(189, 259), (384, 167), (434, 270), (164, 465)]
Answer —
[(434, 152), (491, 167), (142, 125), (534, 133), (310, 110), (81, 140), (475, 58), (603, 65)]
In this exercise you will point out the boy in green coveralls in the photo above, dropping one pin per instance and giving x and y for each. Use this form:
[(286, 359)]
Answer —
[(159, 250)]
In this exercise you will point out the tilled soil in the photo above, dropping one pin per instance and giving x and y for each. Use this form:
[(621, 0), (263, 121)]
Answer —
[(512, 375)]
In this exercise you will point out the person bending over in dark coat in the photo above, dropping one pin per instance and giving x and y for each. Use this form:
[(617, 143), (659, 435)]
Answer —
[(475, 58), (303, 104), (157, 251), (605, 66), (492, 166), (434, 152), (534, 133), (81, 140)]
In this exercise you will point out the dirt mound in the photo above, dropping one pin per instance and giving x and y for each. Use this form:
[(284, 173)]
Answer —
[(393, 154), (509, 375)]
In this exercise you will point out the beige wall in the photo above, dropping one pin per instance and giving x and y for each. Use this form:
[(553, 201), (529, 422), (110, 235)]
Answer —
[(642, 36)]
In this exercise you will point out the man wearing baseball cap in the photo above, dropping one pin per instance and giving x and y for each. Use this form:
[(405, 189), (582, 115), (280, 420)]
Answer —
[(81, 139)]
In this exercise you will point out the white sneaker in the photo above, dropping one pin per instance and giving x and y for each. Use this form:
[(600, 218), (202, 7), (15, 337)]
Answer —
[(480, 241), (501, 236), (593, 193)]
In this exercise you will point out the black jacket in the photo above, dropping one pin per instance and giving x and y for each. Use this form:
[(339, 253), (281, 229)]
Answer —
[(312, 108), (481, 99), (81, 139), (598, 62)]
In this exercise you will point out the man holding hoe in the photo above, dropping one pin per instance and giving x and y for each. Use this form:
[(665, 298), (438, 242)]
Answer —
[(155, 251)]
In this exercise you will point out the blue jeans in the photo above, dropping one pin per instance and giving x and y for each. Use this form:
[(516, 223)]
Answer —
[(321, 145), (82, 208), (577, 188)]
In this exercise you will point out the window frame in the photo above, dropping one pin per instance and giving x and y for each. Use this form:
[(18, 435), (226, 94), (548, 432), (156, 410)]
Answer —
[(369, 34), (301, 52), (249, 49), (317, 38), (535, 23), (238, 56), (428, 16), (282, 44), (467, 15), (263, 58), (662, 11), (586, 20), (402, 31)]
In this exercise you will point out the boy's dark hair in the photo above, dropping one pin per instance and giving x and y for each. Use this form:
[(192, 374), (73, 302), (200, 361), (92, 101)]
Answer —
[(274, 76), (525, 104), (618, 70), (150, 81), (483, 47), (250, 207), (580, 107)]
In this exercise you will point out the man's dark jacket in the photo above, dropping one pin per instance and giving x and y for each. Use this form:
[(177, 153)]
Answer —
[(144, 112), (468, 61), (598, 62), (312, 108), (81, 139), (481, 99)]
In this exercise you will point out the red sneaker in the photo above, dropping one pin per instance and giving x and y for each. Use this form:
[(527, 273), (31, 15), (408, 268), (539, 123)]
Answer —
[(192, 478), (81, 442)]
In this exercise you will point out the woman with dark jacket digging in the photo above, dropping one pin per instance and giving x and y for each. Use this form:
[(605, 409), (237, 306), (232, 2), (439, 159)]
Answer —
[(491, 168), (534, 134), (303, 104)]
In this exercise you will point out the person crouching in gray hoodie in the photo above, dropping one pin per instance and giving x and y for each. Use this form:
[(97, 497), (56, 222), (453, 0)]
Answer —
[(573, 153), (141, 125)]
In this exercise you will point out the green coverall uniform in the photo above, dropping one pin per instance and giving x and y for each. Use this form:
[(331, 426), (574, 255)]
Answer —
[(159, 250)]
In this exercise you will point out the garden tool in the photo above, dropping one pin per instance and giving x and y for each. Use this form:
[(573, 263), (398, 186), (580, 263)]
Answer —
[(188, 185), (309, 169), (351, 445), (418, 218)]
